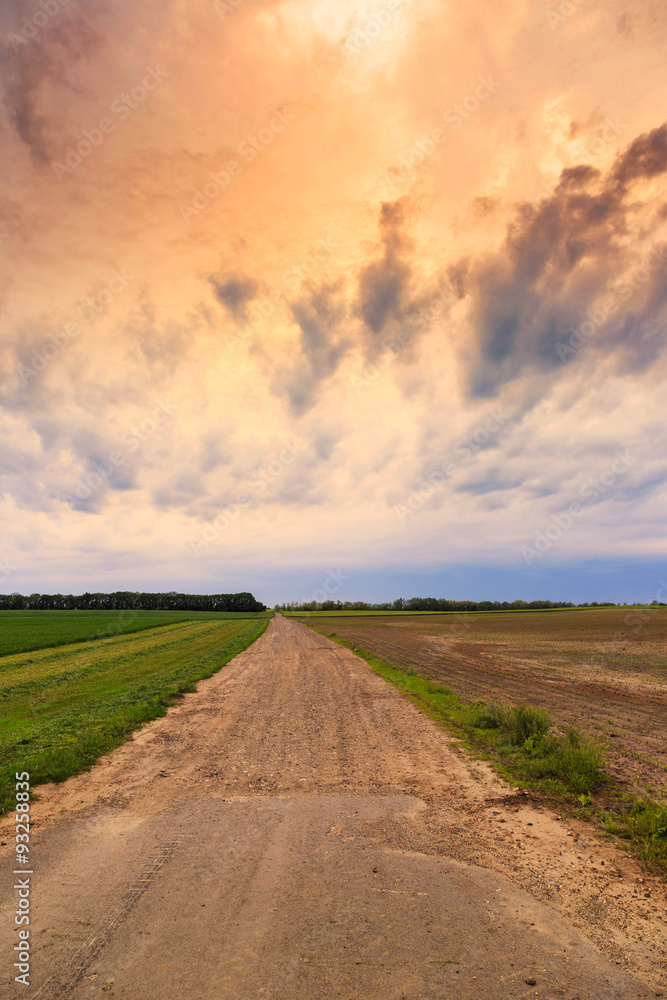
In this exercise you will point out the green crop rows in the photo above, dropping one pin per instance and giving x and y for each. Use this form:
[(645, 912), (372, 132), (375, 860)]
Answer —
[(21, 631)]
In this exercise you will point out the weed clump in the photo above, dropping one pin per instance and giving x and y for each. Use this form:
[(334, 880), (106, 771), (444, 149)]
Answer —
[(433, 688), (573, 758), (516, 724), (526, 722), (644, 822), (489, 715), (522, 734)]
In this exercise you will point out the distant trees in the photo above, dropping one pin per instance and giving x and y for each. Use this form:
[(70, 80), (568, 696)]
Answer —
[(431, 604), (122, 600)]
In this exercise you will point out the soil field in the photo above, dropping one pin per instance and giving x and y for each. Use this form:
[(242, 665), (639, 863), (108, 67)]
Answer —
[(602, 670)]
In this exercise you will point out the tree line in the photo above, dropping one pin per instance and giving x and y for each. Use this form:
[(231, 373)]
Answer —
[(436, 604), (122, 600)]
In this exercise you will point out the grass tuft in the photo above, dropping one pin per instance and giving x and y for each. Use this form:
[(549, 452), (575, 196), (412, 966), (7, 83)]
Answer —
[(643, 823), (526, 722), (573, 759), (487, 715)]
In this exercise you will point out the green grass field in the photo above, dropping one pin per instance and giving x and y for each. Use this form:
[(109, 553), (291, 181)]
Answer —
[(21, 631), (62, 707)]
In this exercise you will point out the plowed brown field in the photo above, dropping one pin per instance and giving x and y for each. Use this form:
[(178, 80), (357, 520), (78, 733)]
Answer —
[(602, 670)]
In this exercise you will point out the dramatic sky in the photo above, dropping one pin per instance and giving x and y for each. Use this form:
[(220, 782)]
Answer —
[(319, 292)]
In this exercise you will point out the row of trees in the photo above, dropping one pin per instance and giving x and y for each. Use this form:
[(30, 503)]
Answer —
[(434, 604), (123, 600)]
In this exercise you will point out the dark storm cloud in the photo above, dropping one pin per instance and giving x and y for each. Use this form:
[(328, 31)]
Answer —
[(182, 489), (318, 314), (384, 284), (235, 292), (214, 452), (531, 302), (492, 480), (35, 56), (646, 157), (639, 336), (393, 298)]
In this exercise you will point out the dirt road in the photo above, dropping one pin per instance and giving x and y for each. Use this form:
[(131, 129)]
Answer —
[(296, 829)]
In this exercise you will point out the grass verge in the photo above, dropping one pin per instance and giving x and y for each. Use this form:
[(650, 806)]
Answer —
[(58, 724), (524, 747)]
